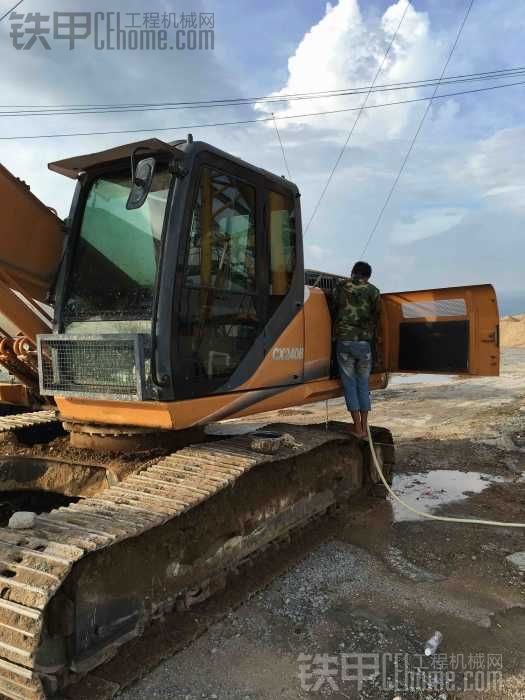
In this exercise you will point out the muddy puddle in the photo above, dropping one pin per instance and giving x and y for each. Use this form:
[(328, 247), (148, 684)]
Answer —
[(226, 428), (427, 491)]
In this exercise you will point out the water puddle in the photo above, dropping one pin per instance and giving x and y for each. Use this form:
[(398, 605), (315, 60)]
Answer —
[(422, 379), (226, 428), (426, 491), (402, 566)]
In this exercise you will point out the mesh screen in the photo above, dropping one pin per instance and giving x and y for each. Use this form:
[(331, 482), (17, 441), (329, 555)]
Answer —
[(90, 366), (440, 307)]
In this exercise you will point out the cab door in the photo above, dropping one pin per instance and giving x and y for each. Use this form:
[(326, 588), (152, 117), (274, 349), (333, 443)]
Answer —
[(449, 331)]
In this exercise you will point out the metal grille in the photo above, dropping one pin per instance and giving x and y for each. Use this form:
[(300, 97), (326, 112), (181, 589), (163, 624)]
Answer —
[(440, 307), (105, 366), (323, 280)]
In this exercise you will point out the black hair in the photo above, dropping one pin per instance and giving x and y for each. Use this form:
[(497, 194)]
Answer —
[(362, 269)]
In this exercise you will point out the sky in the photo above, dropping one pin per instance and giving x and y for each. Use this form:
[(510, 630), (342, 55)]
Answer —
[(457, 214)]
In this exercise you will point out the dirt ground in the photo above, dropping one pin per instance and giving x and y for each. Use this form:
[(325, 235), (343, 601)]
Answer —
[(349, 614), (512, 331)]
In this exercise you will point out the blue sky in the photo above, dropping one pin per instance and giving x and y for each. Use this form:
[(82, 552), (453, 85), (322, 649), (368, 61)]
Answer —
[(457, 215)]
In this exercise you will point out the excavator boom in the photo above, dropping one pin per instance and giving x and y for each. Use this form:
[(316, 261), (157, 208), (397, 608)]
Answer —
[(31, 245)]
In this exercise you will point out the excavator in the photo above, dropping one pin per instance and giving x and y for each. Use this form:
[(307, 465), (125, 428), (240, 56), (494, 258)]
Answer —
[(173, 297)]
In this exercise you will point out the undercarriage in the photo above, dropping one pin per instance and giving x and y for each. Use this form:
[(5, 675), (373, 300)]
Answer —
[(121, 539)]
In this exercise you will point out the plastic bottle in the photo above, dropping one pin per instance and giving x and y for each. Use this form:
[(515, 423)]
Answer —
[(433, 644)]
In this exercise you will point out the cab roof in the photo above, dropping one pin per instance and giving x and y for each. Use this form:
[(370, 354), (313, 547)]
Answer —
[(72, 167)]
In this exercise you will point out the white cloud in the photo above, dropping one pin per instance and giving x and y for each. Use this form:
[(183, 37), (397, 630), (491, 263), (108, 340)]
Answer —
[(425, 224), (496, 169), (464, 175), (345, 50), (315, 252)]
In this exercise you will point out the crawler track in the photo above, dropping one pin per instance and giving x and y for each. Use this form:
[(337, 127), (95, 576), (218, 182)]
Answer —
[(88, 577), (26, 420)]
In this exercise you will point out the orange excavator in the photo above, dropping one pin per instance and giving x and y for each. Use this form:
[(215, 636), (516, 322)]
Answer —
[(172, 297)]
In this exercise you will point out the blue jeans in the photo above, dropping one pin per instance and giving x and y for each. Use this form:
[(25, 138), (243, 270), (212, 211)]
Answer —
[(354, 358)]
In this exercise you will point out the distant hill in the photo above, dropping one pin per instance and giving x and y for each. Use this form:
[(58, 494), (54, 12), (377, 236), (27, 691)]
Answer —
[(510, 303), (512, 331)]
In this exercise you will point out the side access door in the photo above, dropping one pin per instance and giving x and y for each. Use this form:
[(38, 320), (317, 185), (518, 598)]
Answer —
[(450, 331)]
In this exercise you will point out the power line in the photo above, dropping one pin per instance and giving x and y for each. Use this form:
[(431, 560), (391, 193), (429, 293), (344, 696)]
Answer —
[(282, 148), (11, 10), (349, 136), (67, 110), (241, 122), (239, 102), (414, 138)]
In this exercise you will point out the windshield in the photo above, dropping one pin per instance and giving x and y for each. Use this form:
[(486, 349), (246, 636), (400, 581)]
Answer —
[(116, 256)]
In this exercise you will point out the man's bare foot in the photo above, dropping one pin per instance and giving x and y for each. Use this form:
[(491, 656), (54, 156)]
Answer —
[(357, 431)]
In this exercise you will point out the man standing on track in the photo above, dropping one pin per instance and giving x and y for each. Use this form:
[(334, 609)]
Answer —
[(357, 305)]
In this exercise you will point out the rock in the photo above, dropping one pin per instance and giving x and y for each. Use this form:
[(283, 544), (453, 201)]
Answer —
[(517, 560), (266, 445), (289, 441), (511, 465), (22, 520), (518, 439)]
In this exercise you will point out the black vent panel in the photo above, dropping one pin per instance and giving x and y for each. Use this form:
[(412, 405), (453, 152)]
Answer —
[(105, 366)]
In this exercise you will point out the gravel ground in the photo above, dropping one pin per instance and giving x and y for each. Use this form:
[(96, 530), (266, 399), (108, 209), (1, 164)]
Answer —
[(381, 585)]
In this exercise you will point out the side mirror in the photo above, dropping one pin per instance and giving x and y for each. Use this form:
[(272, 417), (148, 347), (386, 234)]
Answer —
[(142, 179)]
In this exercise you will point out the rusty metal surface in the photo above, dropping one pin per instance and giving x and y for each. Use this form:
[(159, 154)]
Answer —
[(114, 438)]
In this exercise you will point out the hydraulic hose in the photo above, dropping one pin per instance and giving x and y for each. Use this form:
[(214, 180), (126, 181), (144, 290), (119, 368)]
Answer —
[(430, 516)]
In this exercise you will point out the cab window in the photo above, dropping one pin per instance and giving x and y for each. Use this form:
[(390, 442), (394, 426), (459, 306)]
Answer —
[(282, 246), (218, 319)]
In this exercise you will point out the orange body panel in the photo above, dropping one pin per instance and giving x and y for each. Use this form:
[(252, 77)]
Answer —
[(31, 239), (16, 394), (284, 362), (184, 414), (481, 310), (318, 334)]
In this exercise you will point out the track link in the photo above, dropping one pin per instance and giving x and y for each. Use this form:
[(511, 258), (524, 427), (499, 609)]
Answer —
[(34, 564), (26, 420)]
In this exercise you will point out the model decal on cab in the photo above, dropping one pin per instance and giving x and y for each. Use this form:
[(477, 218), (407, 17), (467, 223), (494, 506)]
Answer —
[(288, 353)]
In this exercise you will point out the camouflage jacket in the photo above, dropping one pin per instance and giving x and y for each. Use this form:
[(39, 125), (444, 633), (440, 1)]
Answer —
[(356, 307)]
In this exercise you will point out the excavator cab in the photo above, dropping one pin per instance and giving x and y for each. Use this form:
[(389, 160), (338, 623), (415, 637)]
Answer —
[(183, 296)]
